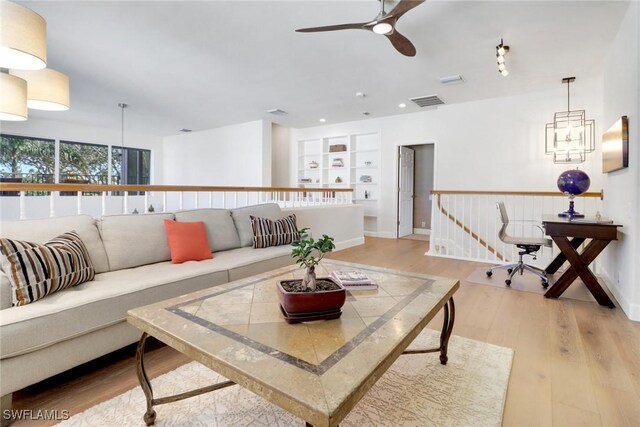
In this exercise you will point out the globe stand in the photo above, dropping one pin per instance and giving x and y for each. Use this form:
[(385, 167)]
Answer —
[(571, 213)]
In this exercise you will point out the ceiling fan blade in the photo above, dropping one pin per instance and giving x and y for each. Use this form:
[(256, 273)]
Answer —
[(403, 7), (355, 26), (402, 44)]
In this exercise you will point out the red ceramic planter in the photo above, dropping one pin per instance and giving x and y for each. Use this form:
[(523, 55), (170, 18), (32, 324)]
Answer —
[(312, 302)]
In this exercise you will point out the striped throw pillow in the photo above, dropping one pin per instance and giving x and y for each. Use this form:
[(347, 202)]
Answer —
[(36, 270), (267, 233)]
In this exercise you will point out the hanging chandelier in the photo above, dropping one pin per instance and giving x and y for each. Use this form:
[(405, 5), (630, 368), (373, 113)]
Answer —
[(24, 80), (570, 136)]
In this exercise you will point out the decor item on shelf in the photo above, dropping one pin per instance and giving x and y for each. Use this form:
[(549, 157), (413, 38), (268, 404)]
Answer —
[(313, 164), (306, 180), (501, 51), (365, 178), (337, 148), (338, 180), (151, 209), (337, 163), (368, 163), (366, 194), (317, 180), (310, 298), (383, 24), (573, 182), (24, 81), (135, 212), (571, 136), (615, 146)]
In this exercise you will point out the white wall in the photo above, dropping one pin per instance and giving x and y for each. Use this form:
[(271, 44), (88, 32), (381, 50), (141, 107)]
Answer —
[(622, 188), (54, 129), (236, 155), (495, 144)]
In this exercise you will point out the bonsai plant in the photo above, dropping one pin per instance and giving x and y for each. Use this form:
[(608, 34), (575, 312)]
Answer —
[(308, 253), (310, 298)]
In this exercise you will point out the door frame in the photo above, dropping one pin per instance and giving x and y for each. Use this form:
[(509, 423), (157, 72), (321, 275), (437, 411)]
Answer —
[(397, 177)]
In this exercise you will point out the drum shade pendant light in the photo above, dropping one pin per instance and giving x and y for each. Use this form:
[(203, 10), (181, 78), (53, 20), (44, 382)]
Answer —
[(13, 101), (23, 38), (46, 89), (570, 136)]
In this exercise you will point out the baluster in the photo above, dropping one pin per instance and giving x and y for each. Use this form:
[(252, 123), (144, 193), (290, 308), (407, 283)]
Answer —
[(246, 198), (125, 202), (486, 228), (52, 204), (23, 205), (79, 202), (164, 201), (104, 202), (146, 202), (197, 200), (210, 199), (181, 200), (224, 200), (235, 199)]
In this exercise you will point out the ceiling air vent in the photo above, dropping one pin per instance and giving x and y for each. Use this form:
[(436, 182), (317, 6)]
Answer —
[(427, 101), (277, 112), (451, 80)]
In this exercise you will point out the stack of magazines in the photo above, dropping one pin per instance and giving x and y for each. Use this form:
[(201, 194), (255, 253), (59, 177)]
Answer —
[(354, 280)]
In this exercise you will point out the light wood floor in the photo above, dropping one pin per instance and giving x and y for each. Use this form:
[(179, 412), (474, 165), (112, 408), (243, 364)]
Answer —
[(575, 363)]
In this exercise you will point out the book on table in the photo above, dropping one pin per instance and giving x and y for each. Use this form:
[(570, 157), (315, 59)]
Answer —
[(354, 280)]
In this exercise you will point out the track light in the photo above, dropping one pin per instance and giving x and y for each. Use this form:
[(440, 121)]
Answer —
[(501, 51)]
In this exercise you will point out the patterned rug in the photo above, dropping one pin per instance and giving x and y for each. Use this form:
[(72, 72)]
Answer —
[(416, 391)]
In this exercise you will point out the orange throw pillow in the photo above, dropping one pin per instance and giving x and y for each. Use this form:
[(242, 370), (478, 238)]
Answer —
[(187, 241)]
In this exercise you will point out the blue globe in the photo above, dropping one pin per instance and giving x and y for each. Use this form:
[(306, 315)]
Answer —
[(573, 182)]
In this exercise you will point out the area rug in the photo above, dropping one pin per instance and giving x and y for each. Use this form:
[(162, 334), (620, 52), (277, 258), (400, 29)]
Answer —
[(529, 282), (416, 391)]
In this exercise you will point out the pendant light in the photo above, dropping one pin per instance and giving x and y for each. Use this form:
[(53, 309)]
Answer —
[(13, 102), (23, 38), (46, 89)]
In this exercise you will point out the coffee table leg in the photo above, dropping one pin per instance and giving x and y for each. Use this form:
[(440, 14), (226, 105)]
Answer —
[(447, 328), (150, 415)]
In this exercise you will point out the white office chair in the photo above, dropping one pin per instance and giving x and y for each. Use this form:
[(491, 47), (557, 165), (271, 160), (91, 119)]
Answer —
[(529, 246)]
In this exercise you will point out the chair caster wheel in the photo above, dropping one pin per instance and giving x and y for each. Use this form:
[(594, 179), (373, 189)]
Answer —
[(509, 270), (489, 273), (508, 282), (545, 285)]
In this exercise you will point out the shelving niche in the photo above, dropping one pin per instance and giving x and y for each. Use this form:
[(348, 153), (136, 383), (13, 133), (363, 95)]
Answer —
[(357, 165)]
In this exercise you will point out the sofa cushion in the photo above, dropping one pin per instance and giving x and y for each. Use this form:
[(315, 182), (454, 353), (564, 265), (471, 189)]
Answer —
[(42, 230), (134, 240), (280, 232), (101, 303), (221, 231), (245, 262), (187, 241), (242, 220), (36, 271)]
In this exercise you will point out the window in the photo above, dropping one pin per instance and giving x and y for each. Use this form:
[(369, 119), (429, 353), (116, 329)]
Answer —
[(82, 163), (132, 168), (24, 159)]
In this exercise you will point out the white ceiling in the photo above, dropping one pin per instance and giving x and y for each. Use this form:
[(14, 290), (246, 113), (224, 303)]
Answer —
[(206, 64)]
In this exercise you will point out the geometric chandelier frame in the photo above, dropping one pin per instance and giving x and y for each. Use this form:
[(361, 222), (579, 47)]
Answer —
[(570, 136)]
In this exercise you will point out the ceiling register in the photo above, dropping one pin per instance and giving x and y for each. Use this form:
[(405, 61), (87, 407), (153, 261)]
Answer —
[(24, 80)]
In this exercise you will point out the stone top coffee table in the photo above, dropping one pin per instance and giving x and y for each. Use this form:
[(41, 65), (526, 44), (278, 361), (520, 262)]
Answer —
[(317, 371)]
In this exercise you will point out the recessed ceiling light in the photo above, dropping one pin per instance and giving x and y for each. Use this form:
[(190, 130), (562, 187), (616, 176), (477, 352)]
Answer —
[(402, 105), (322, 120), (366, 113), (360, 94)]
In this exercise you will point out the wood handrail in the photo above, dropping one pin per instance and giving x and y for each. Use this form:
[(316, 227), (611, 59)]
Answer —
[(19, 186), (599, 194)]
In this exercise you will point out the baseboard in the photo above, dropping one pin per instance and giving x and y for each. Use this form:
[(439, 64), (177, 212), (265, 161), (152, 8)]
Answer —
[(631, 310), (349, 243), (386, 235), (423, 231), (371, 233)]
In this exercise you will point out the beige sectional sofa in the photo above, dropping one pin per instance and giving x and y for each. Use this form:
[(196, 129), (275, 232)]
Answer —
[(131, 257)]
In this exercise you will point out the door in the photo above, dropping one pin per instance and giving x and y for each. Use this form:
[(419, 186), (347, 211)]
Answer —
[(405, 191)]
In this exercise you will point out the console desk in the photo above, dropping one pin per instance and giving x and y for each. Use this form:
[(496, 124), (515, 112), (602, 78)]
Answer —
[(599, 233)]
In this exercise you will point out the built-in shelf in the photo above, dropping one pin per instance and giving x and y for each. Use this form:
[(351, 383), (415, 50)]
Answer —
[(309, 169), (364, 167), (366, 183), (365, 200)]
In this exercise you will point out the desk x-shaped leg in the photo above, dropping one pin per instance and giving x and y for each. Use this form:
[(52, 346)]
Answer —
[(579, 267)]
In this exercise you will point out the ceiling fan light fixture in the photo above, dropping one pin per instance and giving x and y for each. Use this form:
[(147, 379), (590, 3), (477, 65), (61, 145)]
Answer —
[(382, 28)]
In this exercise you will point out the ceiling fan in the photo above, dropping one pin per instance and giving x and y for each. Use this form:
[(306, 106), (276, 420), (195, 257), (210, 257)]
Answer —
[(384, 24)]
